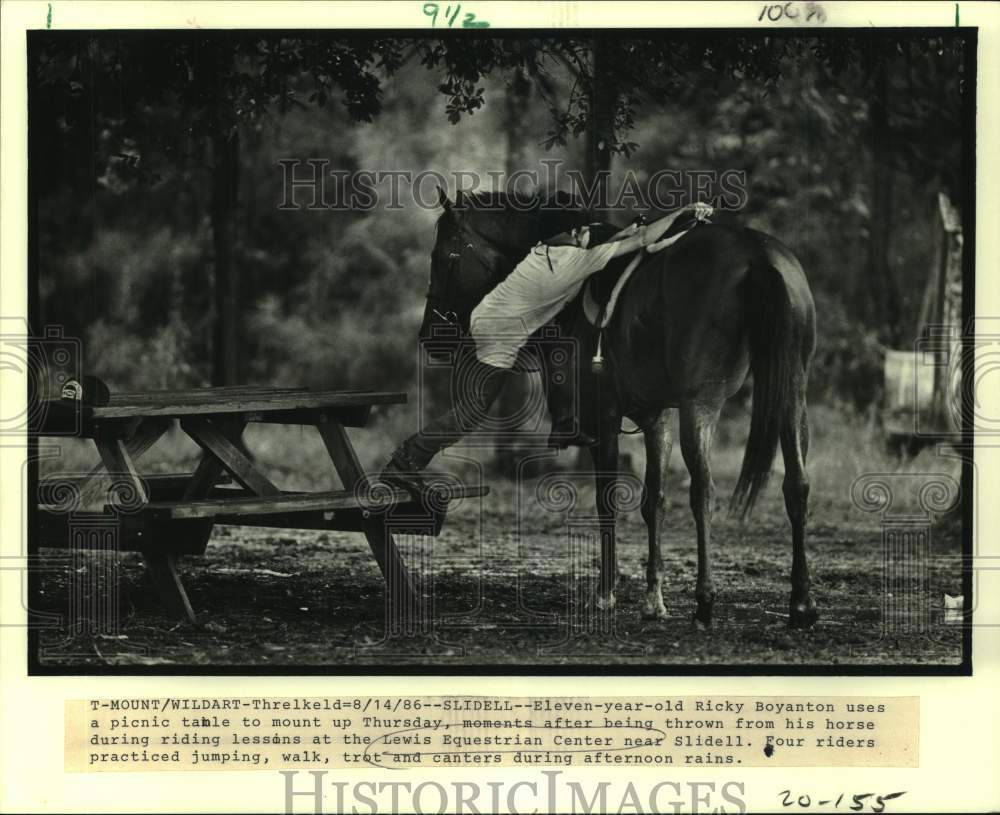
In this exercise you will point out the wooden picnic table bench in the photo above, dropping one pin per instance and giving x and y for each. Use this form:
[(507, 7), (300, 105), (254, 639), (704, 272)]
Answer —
[(168, 515)]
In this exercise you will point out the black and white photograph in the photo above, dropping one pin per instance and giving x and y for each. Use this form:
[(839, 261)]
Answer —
[(464, 349)]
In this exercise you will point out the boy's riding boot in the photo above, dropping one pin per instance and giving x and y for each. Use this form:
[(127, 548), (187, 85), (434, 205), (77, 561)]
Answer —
[(401, 472), (561, 390)]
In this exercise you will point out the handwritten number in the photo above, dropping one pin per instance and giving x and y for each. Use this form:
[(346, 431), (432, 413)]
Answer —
[(877, 805), (881, 799), (791, 10), (470, 21)]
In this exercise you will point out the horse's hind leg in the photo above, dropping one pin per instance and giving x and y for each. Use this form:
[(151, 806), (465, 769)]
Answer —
[(659, 442), (794, 448), (697, 425), (605, 458)]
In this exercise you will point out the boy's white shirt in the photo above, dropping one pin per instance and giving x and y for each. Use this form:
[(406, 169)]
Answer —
[(530, 296)]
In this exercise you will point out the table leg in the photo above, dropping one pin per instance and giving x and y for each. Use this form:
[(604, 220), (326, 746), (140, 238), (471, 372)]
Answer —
[(120, 466), (204, 478), (161, 566), (211, 439), (145, 436), (210, 468), (162, 570), (402, 602)]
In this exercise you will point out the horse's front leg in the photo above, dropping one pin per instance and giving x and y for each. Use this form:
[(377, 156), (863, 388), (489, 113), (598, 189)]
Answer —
[(659, 442), (605, 457)]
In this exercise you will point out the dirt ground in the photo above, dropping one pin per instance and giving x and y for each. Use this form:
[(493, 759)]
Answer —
[(509, 580)]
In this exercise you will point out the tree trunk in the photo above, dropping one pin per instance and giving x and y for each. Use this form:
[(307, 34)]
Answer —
[(597, 160), (885, 299), (505, 455), (225, 177), (600, 125)]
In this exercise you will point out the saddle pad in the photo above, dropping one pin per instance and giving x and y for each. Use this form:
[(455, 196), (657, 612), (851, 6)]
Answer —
[(593, 310)]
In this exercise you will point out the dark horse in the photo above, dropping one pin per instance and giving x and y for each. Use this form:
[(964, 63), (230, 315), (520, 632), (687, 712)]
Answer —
[(691, 323)]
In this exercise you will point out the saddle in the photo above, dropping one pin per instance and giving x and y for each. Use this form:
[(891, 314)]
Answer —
[(598, 297), (601, 291)]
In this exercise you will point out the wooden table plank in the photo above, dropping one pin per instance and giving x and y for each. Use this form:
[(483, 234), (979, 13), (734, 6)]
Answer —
[(240, 504), (191, 404), (186, 394)]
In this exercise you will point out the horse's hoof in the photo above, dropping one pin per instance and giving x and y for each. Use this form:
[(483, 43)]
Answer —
[(654, 610), (802, 615), (703, 619)]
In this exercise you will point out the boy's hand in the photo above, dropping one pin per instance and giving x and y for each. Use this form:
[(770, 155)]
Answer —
[(701, 210)]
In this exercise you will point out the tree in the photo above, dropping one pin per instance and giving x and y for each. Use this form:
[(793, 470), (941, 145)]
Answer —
[(144, 108), (215, 84)]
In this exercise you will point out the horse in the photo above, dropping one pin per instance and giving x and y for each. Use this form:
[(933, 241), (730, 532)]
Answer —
[(691, 324)]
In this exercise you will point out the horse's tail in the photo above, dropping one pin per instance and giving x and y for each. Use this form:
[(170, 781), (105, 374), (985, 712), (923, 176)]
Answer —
[(774, 356)]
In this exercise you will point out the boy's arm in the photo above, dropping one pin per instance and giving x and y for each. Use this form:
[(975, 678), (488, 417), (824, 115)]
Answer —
[(646, 235), (630, 244)]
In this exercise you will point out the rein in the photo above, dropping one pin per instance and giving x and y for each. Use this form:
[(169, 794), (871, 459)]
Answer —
[(444, 298)]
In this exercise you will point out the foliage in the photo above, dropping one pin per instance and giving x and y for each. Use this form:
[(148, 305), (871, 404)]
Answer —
[(120, 127)]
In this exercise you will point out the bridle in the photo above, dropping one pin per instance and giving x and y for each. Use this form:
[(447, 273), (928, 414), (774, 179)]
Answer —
[(439, 297)]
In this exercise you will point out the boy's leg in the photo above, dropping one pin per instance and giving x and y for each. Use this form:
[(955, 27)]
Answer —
[(476, 387)]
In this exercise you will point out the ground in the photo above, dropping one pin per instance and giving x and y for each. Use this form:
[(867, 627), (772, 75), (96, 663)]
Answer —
[(505, 592)]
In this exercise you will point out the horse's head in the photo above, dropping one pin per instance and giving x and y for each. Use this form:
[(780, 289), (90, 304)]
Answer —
[(480, 238), (464, 266)]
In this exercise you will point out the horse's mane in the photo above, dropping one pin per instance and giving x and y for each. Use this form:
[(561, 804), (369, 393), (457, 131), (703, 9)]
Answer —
[(543, 215), (502, 202)]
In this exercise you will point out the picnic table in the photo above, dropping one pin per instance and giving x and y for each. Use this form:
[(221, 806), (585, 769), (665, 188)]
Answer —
[(168, 515)]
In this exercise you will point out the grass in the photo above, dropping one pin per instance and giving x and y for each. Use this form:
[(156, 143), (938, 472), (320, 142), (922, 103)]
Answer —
[(508, 577)]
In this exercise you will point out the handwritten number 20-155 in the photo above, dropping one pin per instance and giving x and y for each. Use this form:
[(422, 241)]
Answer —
[(860, 801), (469, 21)]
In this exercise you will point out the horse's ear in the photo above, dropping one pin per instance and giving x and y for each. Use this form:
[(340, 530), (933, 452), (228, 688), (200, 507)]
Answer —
[(443, 199)]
